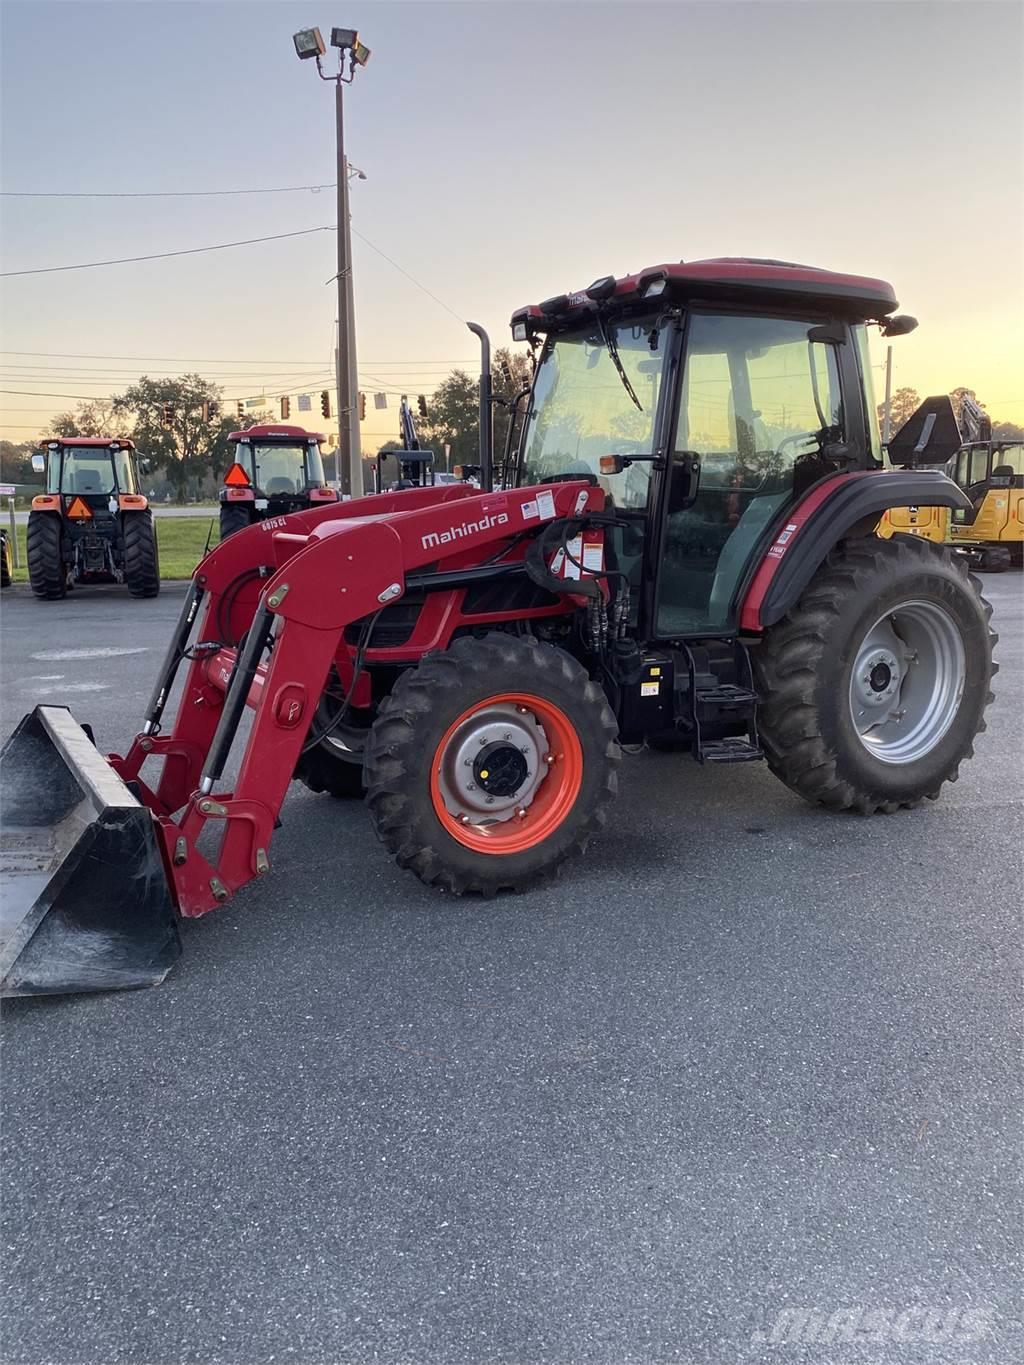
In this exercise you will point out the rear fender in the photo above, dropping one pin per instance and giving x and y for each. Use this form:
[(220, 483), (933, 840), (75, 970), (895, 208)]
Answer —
[(836, 508), (46, 502)]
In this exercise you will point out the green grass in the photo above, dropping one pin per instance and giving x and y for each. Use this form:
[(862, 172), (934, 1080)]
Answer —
[(182, 541)]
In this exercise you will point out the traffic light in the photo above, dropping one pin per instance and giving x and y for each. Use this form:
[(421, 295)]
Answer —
[(167, 415), (211, 410), (240, 409), (421, 406), (362, 407), (325, 403), (286, 407)]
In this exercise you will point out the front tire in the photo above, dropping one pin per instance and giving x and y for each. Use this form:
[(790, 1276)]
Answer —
[(141, 556), (490, 764), (875, 684), (47, 572)]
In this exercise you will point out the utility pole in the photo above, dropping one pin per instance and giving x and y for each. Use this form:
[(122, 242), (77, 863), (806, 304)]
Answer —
[(309, 43), (887, 409), (349, 455)]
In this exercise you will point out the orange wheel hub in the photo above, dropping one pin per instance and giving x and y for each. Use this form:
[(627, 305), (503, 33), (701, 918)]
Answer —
[(506, 773)]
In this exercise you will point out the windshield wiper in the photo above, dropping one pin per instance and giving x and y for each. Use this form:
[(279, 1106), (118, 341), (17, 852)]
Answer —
[(614, 353)]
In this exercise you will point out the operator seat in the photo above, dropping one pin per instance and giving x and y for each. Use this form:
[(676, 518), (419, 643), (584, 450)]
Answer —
[(281, 485)]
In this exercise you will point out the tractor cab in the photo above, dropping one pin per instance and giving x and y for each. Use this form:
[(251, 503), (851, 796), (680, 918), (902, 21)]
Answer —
[(705, 399), (94, 470), (275, 470), (92, 524)]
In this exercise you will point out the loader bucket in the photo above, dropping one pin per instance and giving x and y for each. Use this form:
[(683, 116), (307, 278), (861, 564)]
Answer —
[(84, 903)]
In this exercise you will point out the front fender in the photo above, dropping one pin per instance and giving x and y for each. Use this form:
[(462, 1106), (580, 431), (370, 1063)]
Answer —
[(822, 518)]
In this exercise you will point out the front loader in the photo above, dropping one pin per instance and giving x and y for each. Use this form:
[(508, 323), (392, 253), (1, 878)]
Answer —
[(683, 552)]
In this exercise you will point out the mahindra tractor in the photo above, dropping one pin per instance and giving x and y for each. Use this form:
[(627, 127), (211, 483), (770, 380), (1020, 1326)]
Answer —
[(683, 553), (92, 525), (275, 470)]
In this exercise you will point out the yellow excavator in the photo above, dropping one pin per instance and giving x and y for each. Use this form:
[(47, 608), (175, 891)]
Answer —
[(990, 471)]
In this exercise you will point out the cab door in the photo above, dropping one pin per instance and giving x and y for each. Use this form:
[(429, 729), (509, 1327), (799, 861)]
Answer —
[(760, 399)]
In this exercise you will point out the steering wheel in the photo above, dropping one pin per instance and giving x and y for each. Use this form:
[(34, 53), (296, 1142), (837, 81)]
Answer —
[(799, 436)]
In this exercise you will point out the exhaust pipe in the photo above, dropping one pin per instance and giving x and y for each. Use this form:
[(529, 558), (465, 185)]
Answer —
[(486, 410), (84, 897)]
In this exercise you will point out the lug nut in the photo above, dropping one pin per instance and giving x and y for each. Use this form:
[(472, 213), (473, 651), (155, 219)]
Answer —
[(521, 813), (549, 759)]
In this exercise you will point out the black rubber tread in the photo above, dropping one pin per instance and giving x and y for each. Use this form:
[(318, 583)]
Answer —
[(410, 724), (6, 564), (47, 572), (322, 771), (141, 556), (234, 516), (802, 671)]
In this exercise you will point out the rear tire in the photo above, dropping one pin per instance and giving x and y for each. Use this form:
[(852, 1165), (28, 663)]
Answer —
[(141, 556), (552, 741), (234, 516), (47, 572), (893, 729), (6, 564)]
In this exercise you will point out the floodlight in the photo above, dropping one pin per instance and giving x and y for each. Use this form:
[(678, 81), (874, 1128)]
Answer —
[(360, 53), (308, 43), (344, 37)]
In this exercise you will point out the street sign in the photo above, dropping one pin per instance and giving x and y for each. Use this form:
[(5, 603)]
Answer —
[(7, 490)]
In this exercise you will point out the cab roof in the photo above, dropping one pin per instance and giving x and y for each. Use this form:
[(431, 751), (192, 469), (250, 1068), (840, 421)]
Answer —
[(122, 442), (271, 430), (723, 279)]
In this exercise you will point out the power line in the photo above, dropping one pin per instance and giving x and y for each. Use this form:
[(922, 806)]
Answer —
[(162, 255), (158, 194), (404, 272), (217, 360)]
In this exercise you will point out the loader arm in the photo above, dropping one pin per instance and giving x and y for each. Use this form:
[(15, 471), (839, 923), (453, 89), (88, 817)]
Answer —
[(286, 589)]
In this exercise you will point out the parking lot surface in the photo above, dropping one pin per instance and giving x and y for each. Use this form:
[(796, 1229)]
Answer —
[(746, 1059)]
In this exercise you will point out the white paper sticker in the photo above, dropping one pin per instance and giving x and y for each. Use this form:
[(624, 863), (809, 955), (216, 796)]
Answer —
[(575, 549), (545, 506), (593, 556), (650, 689)]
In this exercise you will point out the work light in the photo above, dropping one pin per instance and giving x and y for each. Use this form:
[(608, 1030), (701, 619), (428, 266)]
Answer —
[(309, 43)]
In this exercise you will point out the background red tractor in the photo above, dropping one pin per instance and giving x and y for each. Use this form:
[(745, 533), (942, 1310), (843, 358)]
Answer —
[(276, 470), (683, 553), (92, 525)]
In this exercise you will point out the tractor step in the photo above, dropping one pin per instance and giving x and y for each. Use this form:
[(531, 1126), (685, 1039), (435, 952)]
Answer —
[(733, 749), (715, 704)]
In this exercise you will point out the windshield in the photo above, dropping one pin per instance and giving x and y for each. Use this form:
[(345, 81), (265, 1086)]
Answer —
[(286, 469), (581, 409), (89, 469)]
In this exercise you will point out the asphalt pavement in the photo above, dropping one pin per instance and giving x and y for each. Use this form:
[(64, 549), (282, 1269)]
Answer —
[(746, 1063)]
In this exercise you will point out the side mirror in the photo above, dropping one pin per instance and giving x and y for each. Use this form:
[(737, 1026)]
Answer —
[(145, 466), (38, 464)]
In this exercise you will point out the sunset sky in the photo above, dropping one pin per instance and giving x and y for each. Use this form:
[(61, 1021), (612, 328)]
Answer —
[(512, 151)]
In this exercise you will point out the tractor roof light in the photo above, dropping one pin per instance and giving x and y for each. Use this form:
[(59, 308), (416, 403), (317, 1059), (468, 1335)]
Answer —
[(53, 445), (601, 289), (652, 288), (519, 332), (308, 43)]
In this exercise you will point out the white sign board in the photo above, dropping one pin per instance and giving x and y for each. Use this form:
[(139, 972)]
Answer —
[(7, 490)]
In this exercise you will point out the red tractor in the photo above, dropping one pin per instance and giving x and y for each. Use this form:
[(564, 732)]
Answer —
[(276, 470), (683, 553), (92, 525)]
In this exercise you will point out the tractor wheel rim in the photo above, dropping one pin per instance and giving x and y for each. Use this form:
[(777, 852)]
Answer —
[(907, 681), (506, 773)]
